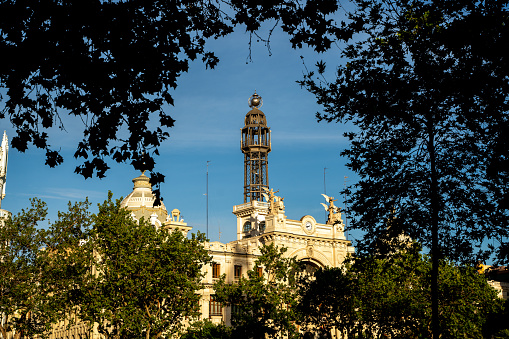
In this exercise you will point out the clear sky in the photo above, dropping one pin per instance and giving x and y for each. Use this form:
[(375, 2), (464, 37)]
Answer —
[(210, 106)]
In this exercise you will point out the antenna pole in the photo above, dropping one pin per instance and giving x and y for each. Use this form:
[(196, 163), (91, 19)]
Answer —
[(207, 194), (346, 219)]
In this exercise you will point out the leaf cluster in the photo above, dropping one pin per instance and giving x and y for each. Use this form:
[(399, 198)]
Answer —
[(207, 330), (143, 280), (39, 269), (373, 298), (424, 77), (264, 306), (130, 278), (113, 64)]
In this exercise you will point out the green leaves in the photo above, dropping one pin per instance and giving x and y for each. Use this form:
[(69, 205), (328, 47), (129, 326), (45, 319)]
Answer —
[(40, 268), (129, 277), (144, 280), (264, 305), (372, 297), (207, 330)]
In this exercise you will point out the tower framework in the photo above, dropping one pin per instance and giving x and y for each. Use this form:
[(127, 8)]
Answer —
[(255, 144)]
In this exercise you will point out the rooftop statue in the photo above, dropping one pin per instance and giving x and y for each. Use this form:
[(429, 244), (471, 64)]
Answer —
[(334, 211), (276, 203)]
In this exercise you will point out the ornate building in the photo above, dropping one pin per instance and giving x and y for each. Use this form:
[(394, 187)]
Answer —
[(141, 204), (261, 219), (4, 152)]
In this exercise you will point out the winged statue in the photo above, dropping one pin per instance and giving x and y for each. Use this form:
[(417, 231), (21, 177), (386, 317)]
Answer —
[(265, 195), (276, 203), (334, 211)]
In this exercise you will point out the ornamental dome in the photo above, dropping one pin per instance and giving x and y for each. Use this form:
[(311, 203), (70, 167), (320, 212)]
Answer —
[(255, 118), (141, 202)]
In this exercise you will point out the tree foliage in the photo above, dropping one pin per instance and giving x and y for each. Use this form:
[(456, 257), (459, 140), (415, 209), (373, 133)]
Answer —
[(264, 306), (497, 325), (426, 84), (112, 65), (374, 298), (144, 279), (39, 271), (206, 330)]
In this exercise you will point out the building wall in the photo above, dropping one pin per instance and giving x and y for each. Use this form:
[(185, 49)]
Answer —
[(501, 287), (319, 244)]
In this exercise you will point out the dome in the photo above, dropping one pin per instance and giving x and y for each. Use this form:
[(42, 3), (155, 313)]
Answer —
[(140, 202), (255, 117)]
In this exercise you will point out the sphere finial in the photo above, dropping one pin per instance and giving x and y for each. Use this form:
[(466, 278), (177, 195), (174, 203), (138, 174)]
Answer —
[(255, 100)]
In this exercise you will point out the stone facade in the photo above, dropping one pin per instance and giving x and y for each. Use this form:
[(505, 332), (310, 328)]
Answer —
[(258, 223), (501, 287), (317, 244)]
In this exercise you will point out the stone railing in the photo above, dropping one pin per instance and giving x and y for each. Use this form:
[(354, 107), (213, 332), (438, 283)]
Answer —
[(253, 204)]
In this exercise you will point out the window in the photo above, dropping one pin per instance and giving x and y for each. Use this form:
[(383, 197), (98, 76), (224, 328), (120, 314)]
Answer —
[(216, 270), (259, 270), (237, 271), (214, 308), (262, 226), (247, 226), (235, 309)]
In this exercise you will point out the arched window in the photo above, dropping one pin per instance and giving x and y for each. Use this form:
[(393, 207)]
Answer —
[(310, 267)]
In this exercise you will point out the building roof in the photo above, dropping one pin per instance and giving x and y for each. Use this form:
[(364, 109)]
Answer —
[(141, 201)]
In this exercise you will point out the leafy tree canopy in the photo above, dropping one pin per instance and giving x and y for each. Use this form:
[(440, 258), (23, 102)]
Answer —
[(112, 65), (374, 298), (207, 330), (39, 274), (264, 306), (144, 279), (427, 84)]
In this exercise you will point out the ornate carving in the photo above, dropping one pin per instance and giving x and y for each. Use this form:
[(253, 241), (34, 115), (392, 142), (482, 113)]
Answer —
[(334, 211), (175, 215), (280, 206), (340, 227), (276, 203), (309, 251)]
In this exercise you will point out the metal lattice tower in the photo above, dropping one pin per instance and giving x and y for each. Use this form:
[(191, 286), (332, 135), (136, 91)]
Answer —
[(255, 144)]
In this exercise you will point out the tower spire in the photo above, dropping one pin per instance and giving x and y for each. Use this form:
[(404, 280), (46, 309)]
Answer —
[(255, 144), (4, 150)]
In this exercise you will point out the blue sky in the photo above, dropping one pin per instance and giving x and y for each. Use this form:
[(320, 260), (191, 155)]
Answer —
[(209, 110)]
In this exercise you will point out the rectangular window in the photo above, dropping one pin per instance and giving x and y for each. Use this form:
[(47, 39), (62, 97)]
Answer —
[(259, 270), (235, 309), (214, 308), (216, 270), (237, 272)]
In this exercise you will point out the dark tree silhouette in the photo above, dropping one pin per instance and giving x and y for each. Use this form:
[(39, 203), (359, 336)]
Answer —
[(376, 298), (112, 65), (427, 84)]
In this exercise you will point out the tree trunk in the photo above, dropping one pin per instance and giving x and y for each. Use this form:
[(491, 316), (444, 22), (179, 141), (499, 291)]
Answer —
[(435, 328)]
